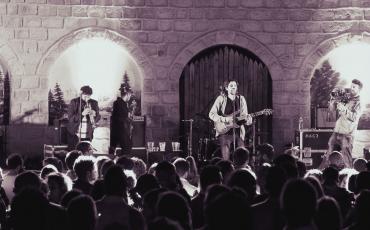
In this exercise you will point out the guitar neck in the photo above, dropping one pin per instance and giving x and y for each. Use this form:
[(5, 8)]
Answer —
[(256, 114)]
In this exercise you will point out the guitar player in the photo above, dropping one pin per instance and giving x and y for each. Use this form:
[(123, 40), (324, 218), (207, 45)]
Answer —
[(226, 109), (121, 127)]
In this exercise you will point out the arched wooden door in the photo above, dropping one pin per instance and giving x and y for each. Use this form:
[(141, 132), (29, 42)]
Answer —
[(200, 84)]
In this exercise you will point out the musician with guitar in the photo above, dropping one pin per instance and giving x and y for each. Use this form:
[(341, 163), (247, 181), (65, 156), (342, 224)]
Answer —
[(83, 114), (122, 115), (226, 111)]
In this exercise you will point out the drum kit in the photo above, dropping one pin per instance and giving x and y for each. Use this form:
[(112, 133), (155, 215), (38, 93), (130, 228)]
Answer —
[(204, 137)]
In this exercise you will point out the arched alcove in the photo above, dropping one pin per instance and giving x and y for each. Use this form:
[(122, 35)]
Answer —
[(204, 76), (97, 57), (333, 64)]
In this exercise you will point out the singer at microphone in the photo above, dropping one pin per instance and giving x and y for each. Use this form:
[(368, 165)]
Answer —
[(121, 121), (83, 114)]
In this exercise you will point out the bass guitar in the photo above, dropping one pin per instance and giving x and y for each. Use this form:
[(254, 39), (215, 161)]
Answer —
[(224, 127)]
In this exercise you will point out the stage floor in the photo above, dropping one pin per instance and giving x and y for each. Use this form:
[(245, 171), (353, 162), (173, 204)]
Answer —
[(361, 141)]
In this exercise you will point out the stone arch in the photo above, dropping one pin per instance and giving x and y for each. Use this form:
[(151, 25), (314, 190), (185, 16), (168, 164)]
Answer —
[(324, 48), (143, 63), (310, 63), (229, 38), (11, 65), (10, 60)]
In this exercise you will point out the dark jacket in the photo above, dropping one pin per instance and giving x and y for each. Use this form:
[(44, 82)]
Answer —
[(121, 124), (74, 115)]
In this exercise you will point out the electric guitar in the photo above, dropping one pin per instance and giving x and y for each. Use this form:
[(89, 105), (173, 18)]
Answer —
[(224, 127)]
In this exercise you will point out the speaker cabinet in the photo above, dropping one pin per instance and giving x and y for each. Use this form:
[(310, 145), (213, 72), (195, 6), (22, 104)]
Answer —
[(316, 139), (138, 133)]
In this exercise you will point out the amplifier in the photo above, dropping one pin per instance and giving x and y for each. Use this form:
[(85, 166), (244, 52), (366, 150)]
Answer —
[(316, 139)]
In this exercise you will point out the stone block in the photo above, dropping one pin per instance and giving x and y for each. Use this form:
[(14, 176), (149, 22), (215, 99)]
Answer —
[(21, 33), (31, 21), (96, 11), (155, 37), (197, 13), (113, 12), (293, 3), (266, 38), (181, 3), (48, 10), (140, 37), (165, 13), (349, 14), (300, 15), (329, 4), (156, 2), (79, 11), (209, 3), (38, 33), (254, 26), (129, 13), (79, 22), (17, 45), (308, 27), (135, 2), (312, 4), (11, 9), (183, 26), (56, 2), (151, 98), (55, 33), (284, 38), (7, 33), (150, 25), (200, 26), (170, 98), (64, 11), (251, 3), (43, 46), (148, 13), (118, 2), (27, 9), (30, 46), (159, 110), (30, 82), (323, 15), (53, 22), (12, 21), (164, 25), (227, 25), (88, 2), (111, 23), (150, 50), (104, 2), (335, 27), (259, 14), (130, 24), (171, 37), (21, 95), (38, 94), (273, 4)]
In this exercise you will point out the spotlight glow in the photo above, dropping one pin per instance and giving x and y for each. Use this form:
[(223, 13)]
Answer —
[(97, 62), (353, 61)]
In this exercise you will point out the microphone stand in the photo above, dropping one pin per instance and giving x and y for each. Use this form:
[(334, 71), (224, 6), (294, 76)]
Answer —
[(79, 118), (234, 117)]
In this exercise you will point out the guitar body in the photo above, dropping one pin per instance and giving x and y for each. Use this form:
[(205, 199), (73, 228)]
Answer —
[(224, 127)]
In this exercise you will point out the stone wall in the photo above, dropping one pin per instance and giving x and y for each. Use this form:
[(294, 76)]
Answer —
[(289, 36)]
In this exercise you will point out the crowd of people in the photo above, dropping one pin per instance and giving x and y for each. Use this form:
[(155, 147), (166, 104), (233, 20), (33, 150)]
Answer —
[(81, 191)]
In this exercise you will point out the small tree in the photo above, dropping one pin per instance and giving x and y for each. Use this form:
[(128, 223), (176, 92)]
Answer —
[(324, 80)]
